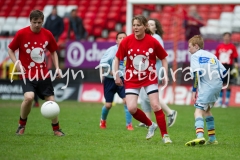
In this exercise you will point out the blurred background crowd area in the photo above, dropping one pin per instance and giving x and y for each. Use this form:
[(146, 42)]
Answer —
[(103, 18)]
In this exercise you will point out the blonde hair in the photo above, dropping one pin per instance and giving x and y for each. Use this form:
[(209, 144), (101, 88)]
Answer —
[(197, 39), (144, 22)]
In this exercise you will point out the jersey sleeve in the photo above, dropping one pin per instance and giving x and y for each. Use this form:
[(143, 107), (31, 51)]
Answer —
[(106, 56), (235, 53), (14, 45), (160, 52), (52, 46), (121, 52)]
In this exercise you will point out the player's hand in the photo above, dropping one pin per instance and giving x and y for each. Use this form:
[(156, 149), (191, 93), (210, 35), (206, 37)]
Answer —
[(59, 73), (19, 67), (165, 81), (194, 97), (118, 81)]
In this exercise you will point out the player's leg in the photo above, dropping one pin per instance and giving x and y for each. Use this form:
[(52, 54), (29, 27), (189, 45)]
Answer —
[(36, 103), (227, 97), (210, 127), (199, 126), (145, 105), (131, 101), (220, 99), (45, 91), (109, 91), (28, 90), (128, 116), (121, 92), (153, 95), (171, 114)]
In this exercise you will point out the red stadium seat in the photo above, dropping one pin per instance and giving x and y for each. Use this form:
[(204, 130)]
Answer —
[(100, 22), (123, 18), (93, 9), (16, 8), (73, 2), (88, 28), (137, 11), (155, 15), (101, 15), (13, 14), (236, 37), (106, 3), (62, 2), (90, 15), (52, 2), (100, 39), (3, 14), (216, 8), (167, 16), (103, 9), (111, 25), (97, 31), (117, 3), (112, 35), (123, 9), (227, 8), (84, 3), (115, 8), (113, 16), (95, 3), (203, 8), (168, 9), (214, 15), (24, 14), (124, 28)]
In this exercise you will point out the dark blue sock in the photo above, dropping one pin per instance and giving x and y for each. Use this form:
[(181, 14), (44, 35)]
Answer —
[(104, 113)]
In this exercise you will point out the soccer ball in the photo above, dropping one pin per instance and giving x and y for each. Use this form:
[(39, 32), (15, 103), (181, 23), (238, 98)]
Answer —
[(50, 109)]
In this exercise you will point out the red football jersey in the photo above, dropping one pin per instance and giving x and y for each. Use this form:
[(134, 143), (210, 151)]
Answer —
[(226, 53), (141, 59), (32, 50)]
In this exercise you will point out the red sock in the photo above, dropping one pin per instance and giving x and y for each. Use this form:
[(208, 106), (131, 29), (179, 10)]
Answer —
[(140, 116), (160, 118), (22, 122), (55, 126)]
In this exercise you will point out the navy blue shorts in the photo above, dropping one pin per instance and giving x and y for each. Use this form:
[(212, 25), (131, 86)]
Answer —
[(43, 88), (110, 88)]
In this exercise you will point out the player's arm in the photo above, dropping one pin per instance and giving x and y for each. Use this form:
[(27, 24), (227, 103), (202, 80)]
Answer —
[(165, 66), (56, 63), (104, 62), (195, 85), (14, 59)]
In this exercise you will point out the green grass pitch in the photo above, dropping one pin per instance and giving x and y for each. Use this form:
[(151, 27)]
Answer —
[(85, 140)]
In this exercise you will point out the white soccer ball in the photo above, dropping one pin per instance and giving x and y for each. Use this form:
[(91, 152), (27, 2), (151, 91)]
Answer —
[(50, 109)]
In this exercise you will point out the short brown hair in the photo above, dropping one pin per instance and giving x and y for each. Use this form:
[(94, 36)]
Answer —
[(197, 39), (35, 14), (143, 21)]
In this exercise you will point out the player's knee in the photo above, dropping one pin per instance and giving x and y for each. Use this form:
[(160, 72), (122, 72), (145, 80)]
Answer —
[(132, 110), (28, 97), (108, 105), (155, 107)]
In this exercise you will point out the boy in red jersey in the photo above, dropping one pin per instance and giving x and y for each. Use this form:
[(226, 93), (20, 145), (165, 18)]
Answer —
[(141, 50), (31, 42), (227, 54)]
